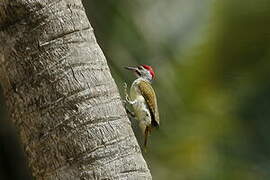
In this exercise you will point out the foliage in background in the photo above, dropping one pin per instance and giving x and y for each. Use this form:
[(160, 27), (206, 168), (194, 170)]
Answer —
[(212, 63)]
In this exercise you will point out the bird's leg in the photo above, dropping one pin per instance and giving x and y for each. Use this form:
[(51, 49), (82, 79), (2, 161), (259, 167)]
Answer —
[(127, 100), (130, 113), (127, 97), (126, 93)]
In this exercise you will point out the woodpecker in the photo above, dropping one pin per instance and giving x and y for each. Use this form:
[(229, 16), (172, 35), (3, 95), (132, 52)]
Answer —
[(143, 99)]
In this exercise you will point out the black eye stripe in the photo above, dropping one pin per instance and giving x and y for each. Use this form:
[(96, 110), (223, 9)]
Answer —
[(138, 72)]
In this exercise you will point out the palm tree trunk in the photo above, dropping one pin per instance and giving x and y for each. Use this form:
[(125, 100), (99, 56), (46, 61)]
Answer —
[(61, 96)]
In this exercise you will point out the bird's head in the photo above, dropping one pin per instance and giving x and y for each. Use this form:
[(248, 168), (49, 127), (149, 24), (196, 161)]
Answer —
[(143, 71)]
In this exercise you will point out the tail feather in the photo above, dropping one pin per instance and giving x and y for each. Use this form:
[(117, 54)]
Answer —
[(154, 124), (146, 134)]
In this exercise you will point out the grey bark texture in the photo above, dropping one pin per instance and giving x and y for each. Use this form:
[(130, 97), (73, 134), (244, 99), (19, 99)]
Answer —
[(61, 96)]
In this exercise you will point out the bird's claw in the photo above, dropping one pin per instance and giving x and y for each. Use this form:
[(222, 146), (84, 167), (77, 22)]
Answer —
[(130, 113), (125, 86), (126, 93)]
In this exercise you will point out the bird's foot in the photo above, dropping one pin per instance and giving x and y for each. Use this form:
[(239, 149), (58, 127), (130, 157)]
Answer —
[(130, 113), (127, 99)]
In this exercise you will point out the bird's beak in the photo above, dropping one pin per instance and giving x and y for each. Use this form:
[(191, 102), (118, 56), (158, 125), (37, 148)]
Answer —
[(131, 68)]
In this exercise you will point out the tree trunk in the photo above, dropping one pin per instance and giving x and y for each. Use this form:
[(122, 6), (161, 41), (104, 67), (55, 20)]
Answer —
[(61, 96)]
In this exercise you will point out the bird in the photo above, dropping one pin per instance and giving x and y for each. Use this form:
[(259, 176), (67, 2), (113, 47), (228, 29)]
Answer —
[(143, 99)]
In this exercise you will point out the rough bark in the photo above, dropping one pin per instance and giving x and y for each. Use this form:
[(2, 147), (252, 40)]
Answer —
[(61, 96)]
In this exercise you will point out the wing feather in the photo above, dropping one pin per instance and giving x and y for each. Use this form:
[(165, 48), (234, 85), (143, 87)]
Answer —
[(150, 97)]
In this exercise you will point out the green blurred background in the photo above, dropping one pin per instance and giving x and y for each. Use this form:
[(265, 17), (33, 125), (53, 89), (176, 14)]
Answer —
[(212, 64)]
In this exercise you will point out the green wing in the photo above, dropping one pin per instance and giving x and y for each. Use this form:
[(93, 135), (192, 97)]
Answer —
[(150, 97)]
